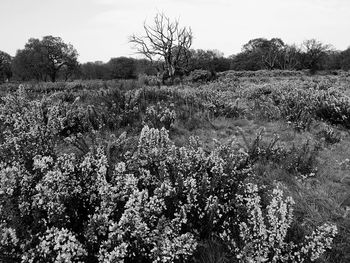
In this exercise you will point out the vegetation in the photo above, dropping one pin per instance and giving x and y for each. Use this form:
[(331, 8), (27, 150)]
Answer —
[(245, 168), (45, 58), (165, 41), (239, 159), (5, 66), (166, 48)]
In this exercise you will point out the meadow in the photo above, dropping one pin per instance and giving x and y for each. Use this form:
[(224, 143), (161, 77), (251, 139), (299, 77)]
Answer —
[(249, 167)]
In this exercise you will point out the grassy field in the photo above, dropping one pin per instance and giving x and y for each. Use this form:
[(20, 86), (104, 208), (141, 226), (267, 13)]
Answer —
[(285, 130)]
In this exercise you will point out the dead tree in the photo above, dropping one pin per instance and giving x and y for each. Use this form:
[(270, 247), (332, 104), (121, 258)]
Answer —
[(165, 41)]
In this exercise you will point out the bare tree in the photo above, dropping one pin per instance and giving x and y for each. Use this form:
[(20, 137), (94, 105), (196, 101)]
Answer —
[(165, 41), (289, 58), (315, 53)]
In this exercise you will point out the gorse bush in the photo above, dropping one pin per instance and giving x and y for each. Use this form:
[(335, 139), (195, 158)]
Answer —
[(298, 160), (333, 107), (200, 75), (264, 235), (156, 204), (300, 105), (28, 128), (329, 135), (160, 116)]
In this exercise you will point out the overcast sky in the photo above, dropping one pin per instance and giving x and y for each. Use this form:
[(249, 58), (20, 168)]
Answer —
[(99, 29)]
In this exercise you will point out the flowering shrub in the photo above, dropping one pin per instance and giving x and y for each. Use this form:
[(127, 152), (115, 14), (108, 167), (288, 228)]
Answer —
[(300, 105), (28, 128), (76, 119), (56, 246), (146, 200), (149, 80), (161, 116), (263, 235), (332, 106), (156, 204), (8, 242)]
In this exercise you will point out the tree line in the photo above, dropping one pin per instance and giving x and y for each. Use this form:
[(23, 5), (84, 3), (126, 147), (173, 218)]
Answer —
[(166, 48)]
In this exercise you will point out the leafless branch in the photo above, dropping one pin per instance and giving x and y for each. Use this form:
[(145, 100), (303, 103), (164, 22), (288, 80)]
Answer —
[(164, 40)]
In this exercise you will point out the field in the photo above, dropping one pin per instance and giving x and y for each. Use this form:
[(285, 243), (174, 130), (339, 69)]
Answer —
[(251, 167)]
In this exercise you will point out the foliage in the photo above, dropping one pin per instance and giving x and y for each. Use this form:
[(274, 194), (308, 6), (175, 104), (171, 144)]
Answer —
[(314, 55), (56, 245), (28, 128), (345, 59), (122, 68), (141, 198), (201, 75), (212, 60), (149, 80), (156, 204), (44, 58), (5, 66), (265, 240), (299, 106), (161, 116), (329, 135)]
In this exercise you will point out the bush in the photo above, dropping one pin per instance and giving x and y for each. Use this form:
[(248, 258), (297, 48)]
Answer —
[(27, 127), (156, 205), (201, 75), (149, 80), (159, 116), (329, 135)]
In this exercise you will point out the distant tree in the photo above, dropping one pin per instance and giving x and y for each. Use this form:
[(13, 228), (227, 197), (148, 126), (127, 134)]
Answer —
[(117, 68), (58, 54), (95, 70), (345, 59), (165, 41), (122, 68), (246, 61), (290, 58), (5, 66), (212, 60), (268, 51), (46, 57), (272, 53), (70, 71), (87, 70), (315, 54), (144, 66), (332, 60), (260, 53), (28, 65)]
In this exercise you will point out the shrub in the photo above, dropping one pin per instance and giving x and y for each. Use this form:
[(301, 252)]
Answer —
[(329, 135), (333, 107), (301, 160), (263, 234), (57, 245), (149, 80), (156, 205), (159, 116), (201, 75), (28, 128)]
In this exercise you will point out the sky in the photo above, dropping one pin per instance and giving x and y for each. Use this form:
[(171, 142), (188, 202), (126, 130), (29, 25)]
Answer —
[(99, 29)]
